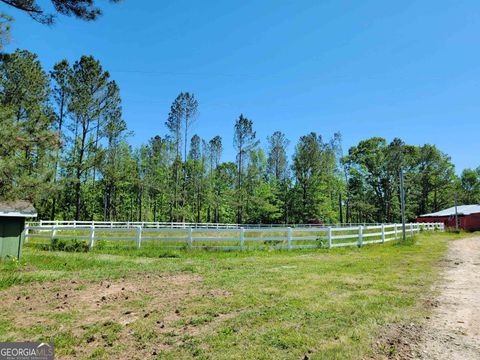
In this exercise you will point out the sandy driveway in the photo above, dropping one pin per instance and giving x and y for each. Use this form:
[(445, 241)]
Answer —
[(453, 331)]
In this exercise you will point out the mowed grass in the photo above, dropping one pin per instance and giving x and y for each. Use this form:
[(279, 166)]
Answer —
[(272, 304)]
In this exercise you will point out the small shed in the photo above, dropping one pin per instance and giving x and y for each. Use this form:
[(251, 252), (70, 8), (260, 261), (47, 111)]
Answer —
[(12, 223), (468, 217)]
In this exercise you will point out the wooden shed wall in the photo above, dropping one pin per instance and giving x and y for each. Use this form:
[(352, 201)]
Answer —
[(10, 231)]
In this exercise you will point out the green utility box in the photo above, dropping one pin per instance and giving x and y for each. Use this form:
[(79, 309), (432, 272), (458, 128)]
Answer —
[(12, 223)]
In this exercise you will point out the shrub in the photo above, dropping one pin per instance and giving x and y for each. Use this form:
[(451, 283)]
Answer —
[(68, 246)]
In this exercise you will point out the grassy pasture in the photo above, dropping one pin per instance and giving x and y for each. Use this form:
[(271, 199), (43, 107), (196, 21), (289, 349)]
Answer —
[(125, 303)]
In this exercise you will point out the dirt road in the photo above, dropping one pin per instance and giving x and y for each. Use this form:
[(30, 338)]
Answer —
[(453, 331)]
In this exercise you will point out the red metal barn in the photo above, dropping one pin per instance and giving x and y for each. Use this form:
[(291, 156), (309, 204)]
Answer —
[(468, 217)]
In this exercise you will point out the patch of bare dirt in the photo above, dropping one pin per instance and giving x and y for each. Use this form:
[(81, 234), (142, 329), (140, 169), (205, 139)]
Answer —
[(219, 293), (398, 341), (155, 301), (35, 303), (453, 330)]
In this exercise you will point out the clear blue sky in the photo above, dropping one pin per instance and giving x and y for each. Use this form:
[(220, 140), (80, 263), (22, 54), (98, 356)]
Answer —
[(365, 68)]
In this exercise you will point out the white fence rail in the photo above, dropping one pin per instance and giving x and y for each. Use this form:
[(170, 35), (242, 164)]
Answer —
[(179, 225), (227, 238)]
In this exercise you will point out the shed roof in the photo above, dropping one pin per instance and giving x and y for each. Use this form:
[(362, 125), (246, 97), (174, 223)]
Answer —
[(461, 210), (18, 208)]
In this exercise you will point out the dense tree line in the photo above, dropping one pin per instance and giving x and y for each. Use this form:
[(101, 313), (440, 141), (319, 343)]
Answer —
[(64, 145)]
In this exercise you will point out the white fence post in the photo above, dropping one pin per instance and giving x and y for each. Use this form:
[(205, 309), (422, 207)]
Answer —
[(54, 232), (289, 237), (242, 237), (411, 229), (92, 236), (139, 237), (395, 229), (360, 235), (329, 237), (383, 233), (25, 237), (190, 237)]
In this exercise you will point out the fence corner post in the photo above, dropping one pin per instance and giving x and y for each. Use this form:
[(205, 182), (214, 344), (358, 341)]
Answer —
[(190, 237), (360, 235), (92, 236), (25, 236), (289, 237), (329, 237), (139, 237), (242, 237), (383, 233)]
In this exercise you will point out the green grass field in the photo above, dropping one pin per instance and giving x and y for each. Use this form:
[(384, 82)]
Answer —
[(154, 303)]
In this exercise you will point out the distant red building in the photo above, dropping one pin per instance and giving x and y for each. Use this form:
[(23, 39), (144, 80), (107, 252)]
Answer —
[(468, 217)]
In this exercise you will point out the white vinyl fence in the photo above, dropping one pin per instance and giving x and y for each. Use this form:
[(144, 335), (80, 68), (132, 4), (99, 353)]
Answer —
[(140, 235)]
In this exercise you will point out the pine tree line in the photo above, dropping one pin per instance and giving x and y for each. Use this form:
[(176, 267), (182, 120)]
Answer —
[(64, 146)]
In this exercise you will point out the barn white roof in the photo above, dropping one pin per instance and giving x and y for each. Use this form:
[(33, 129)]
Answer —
[(461, 209)]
